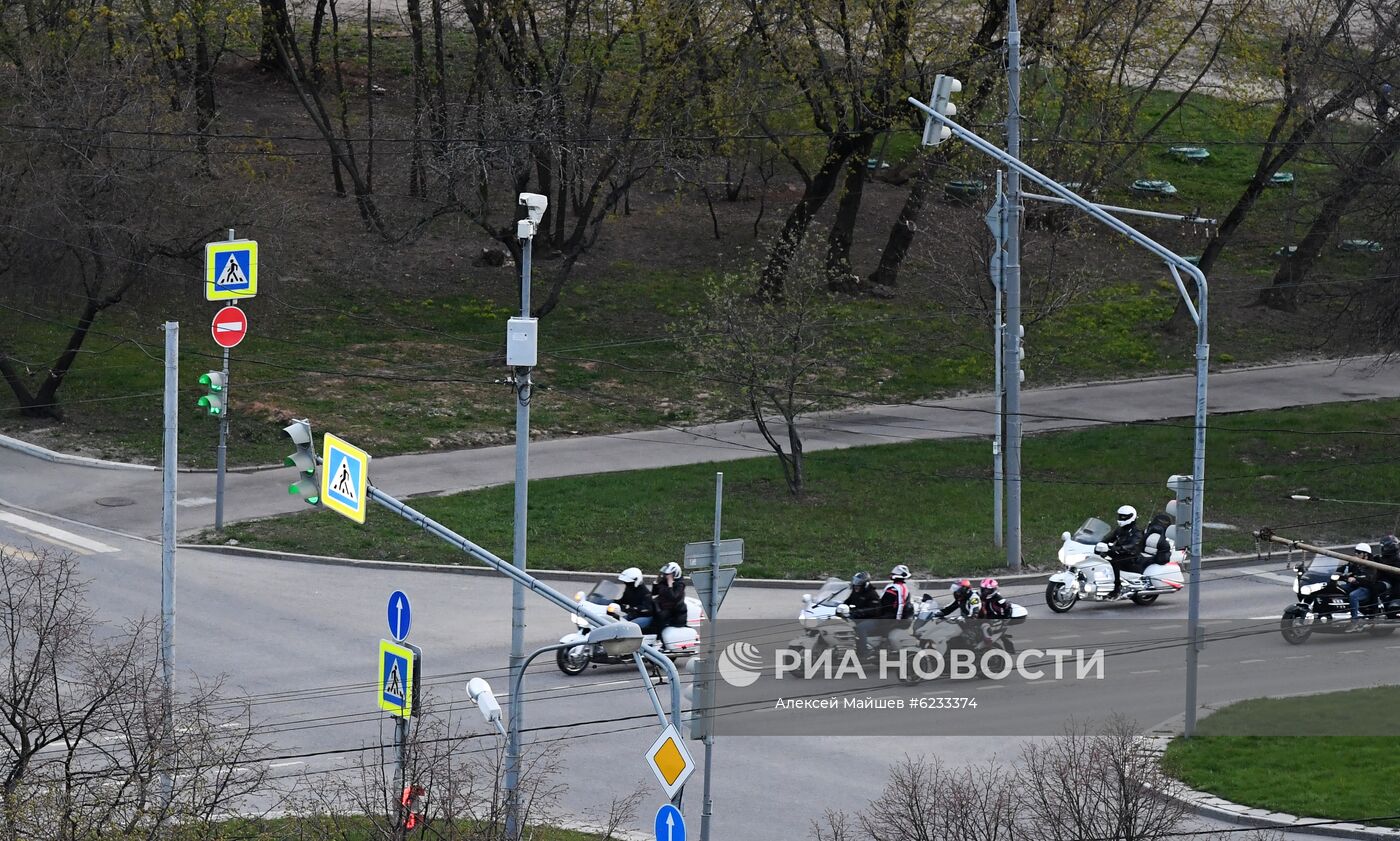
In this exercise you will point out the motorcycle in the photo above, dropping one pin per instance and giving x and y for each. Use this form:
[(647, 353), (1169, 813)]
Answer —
[(826, 623), (674, 642), (1323, 606), (1089, 575), (965, 632)]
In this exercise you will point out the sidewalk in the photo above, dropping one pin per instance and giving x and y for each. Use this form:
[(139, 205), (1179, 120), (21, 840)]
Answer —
[(130, 501)]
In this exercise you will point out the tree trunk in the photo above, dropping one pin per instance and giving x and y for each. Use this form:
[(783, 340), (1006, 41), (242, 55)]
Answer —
[(1282, 293), (819, 188), (417, 180), (274, 26), (41, 403), (838, 242)]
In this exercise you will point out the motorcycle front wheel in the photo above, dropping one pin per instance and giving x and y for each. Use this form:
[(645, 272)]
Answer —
[(572, 661), (1060, 597), (1294, 625)]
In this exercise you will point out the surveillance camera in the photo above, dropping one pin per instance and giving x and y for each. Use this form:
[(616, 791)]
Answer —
[(534, 205)]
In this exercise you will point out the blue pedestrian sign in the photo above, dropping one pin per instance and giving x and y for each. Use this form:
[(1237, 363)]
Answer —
[(670, 824), (230, 270), (400, 616), (344, 478), (398, 677)]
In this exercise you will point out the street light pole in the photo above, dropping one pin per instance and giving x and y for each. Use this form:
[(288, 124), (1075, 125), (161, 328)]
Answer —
[(1176, 264), (518, 553), (167, 549)]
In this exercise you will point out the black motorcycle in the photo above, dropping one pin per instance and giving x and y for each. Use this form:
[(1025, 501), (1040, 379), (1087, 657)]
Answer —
[(1323, 606)]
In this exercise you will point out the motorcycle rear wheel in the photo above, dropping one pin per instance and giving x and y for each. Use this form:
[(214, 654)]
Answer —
[(1144, 599), (1060, 597), (1293, 626), (573, 661)]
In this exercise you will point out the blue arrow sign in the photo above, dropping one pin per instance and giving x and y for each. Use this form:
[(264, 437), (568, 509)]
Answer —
[(670, 824), (400, 616)]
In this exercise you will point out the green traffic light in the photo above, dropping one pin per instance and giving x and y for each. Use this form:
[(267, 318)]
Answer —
[(213, 380), (213, 404)]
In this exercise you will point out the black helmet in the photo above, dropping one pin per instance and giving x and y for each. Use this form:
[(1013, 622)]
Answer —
[(859, 580), (1390, 548)]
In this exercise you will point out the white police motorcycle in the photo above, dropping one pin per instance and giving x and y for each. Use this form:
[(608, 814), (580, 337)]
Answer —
[(673, 642), (1089, 575)]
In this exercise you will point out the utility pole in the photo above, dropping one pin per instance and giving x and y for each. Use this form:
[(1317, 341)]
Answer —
[(223, 442), (707, 808), (521, 351), (1011, 333), (167, 545), (997, 221)]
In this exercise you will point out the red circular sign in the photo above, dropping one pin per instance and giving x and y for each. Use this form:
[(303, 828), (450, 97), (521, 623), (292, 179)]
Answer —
[(230, 326)]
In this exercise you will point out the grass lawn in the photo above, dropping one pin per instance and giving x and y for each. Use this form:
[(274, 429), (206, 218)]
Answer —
[(927, 504), (1346, 777), (349, 828)]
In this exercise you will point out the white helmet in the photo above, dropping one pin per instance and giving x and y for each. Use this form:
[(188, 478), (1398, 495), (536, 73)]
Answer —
[(900, 572), (1362, 549), (672, 568), (1127, 515), (631, 575)]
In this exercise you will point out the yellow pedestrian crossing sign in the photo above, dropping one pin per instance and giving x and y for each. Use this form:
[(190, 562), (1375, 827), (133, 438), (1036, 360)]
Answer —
[(344, 477), (230, 269), (398, 676)]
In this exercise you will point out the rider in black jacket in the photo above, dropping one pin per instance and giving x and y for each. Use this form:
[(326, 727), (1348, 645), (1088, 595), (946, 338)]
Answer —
[(669, 595), (864, 603), (1124, 543)]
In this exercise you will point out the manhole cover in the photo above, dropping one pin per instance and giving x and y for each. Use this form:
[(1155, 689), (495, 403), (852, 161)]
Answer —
[(115, 501)]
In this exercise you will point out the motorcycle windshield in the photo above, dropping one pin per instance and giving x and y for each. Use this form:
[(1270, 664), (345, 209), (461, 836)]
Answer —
[(1092, 532), (1322, 565), (606, 592), (834, 591)]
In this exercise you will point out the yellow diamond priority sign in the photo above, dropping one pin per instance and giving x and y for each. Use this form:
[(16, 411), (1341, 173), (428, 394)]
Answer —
[(670, 760)]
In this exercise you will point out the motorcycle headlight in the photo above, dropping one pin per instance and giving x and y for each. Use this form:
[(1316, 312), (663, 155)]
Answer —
[(1309, 589)]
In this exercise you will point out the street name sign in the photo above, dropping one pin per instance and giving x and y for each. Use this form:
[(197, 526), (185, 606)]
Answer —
[(344, 478), (698, 555)]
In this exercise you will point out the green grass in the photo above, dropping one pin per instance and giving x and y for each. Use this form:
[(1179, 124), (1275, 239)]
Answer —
[(1316, 774), (926, 504), (348, 828)]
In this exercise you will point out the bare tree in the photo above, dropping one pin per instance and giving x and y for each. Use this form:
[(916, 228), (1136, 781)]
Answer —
[(84, 742), (770, 357)]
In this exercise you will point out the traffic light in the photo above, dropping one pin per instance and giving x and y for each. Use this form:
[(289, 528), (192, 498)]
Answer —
[(1020, 352), (307, 485), (1179, 510), (213, 401), (411, 806), (696, 697), (943, 89)]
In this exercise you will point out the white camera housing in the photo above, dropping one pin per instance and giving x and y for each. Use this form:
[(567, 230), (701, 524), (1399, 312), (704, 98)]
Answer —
[(534, 205)]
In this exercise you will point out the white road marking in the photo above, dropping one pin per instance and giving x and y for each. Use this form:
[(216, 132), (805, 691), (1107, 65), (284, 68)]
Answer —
[(1298, 657), (284, 764), (46, 531), (1162, 627), (1245, 662), (1355, 651), (1111, 633), (1146, 672), (194, 501), (1261, 618), (1064, 637), (18, 552)]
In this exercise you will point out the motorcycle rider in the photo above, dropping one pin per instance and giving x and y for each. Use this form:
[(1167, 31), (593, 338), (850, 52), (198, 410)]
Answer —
[(1358, 582), (1124, 543), (962, 598), (669, 595), (636, 601), (994, 608), (895, 609), (864, 603)]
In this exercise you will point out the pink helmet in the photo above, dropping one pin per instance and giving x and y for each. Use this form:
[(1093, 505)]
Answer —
[(989, 584)]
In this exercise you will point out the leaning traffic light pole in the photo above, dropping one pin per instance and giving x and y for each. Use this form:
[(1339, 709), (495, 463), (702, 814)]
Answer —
[(938, 120)]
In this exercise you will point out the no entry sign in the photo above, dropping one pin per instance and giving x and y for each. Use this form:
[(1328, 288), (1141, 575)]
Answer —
[(230, 326)]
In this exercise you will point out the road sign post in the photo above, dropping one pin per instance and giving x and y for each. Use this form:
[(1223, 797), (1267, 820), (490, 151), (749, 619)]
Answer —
[(400, 665)]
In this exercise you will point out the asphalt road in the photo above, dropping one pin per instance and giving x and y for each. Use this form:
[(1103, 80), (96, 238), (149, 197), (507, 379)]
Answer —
[(300, 640)]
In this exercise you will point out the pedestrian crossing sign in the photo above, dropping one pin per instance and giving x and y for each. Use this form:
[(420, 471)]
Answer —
[(398, 671), (344, 478), (230, 269)]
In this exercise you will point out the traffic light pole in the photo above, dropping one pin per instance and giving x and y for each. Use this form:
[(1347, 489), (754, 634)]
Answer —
[(222, 456), (1011, 331), (518, 553), (707, 807), (1176, 264)]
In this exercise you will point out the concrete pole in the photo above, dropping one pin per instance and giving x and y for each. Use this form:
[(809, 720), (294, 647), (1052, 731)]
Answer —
[(1012, 333), (167, 545), (517, 594), (999, 284)]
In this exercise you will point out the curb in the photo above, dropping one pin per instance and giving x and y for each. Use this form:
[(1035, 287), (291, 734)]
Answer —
[(65, 458), (1219, 562), (1208, 805)]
